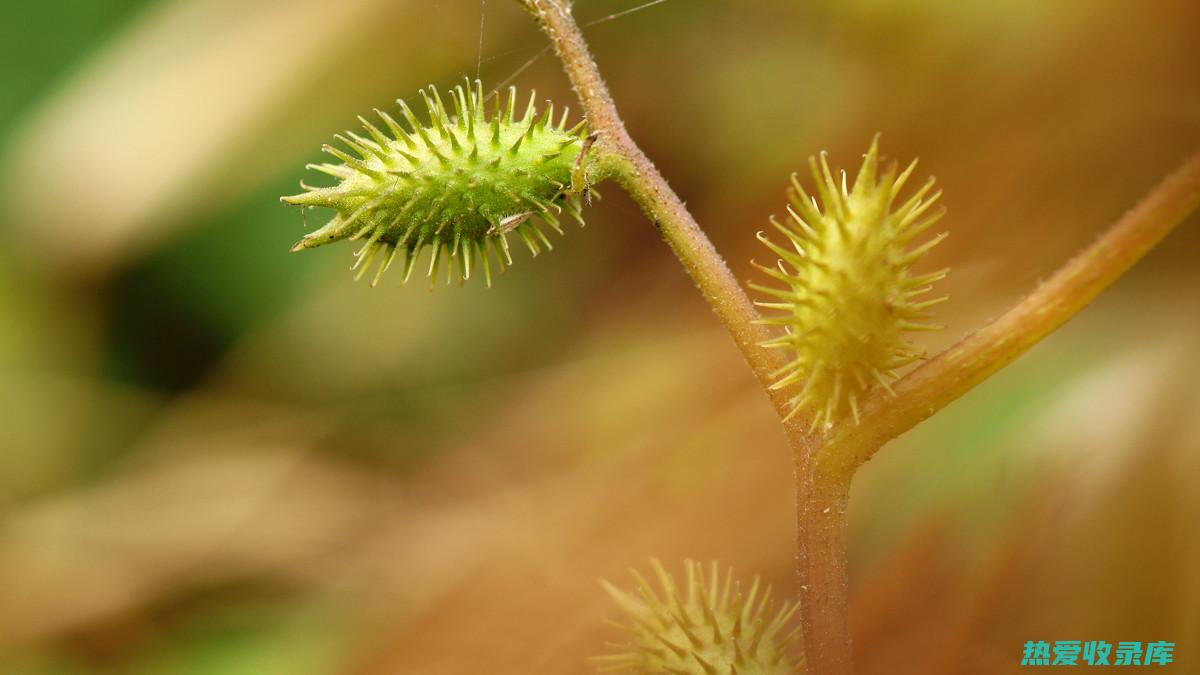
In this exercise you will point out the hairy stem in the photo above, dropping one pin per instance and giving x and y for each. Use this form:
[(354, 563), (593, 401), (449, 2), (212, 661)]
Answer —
[(826, 465), (634, 172), (955, 371), (821, 513), (824, 581)]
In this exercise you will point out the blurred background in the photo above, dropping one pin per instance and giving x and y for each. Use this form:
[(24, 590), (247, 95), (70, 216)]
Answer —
[(220, 458)]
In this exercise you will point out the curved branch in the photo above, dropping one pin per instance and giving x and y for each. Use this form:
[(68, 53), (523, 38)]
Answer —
[(955, 371), (629, 167), (821, 500)]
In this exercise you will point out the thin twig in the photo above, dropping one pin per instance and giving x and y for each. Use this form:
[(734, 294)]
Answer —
[(949, 375), (825, 465), (636, 173), (821, 500)]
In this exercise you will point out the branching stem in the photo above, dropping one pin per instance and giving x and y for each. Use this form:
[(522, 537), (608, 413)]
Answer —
[(626, 163), (825, 465), (941, 380)]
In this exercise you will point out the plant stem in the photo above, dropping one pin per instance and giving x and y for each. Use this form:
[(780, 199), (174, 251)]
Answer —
[(821, 519), (826, 465), (955, 371), (821, 500), (635, 173)]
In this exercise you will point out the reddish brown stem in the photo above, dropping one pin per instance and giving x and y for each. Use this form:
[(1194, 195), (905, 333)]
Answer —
[(825, 466), (957, 370), (625, 162), (821, 505)]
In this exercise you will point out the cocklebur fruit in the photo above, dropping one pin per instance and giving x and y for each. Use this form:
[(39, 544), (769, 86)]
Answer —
[(459, 185), (710, 627), (846, 295)]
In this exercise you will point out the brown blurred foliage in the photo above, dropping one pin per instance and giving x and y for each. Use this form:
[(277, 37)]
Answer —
[(219, 458)]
